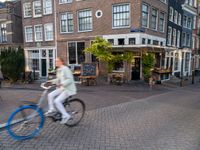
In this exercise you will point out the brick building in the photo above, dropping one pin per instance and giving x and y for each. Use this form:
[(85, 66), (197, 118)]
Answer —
[(130, 25), (39, 35), (10, 24)]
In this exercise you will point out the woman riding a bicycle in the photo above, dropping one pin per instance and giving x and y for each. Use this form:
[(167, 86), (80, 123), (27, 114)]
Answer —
[(65, 87)]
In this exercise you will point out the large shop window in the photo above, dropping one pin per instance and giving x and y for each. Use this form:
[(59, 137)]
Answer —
[(75, 52)]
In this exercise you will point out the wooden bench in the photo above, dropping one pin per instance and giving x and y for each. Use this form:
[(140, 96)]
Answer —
[(88, 80)]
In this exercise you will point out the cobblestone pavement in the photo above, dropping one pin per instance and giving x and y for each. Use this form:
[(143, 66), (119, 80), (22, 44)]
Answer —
[(165, 121), (93, 96)]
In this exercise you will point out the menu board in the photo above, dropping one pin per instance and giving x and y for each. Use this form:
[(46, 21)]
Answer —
[(88, 69)]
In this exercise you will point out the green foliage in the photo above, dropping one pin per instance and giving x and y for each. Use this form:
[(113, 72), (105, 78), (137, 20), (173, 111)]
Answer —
[(12, 63), (148, 62), (102, 50)]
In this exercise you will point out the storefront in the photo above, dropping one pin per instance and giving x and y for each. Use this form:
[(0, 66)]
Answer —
[(40, 60)]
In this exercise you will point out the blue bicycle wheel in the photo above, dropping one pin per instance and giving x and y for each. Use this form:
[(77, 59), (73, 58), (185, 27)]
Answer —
[(25, 122)]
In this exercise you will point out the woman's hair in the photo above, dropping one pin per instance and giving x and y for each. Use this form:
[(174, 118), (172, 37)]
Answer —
[(61, 59)]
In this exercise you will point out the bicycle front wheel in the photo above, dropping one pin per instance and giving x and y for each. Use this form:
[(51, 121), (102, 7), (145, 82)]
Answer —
[(25, 122), (76, 108)]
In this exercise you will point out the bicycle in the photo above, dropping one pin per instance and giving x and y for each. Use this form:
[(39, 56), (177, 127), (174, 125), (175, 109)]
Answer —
[(27, 121)]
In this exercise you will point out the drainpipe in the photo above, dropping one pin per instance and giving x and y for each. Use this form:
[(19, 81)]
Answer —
[(55, 28)]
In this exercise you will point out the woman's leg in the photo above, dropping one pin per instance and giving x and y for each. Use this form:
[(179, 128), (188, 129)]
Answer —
[(51, 98), (59, 104)]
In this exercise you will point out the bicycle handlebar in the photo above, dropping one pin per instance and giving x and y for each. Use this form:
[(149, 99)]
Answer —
[(44, 87)]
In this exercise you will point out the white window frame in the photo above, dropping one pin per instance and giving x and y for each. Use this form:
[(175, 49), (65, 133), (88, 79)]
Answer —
[(65, 1), (178, 38), (26, 33), (171, 16), (45, 32), (179, 19), (169, 38), (47, 10), (156, 19), (37, 15), (87, 30), (163, 28), (147, 14), (37, 40), (67, 23), (129, 16), (175, 17), (184, 38), (24, 8), (174, 37)]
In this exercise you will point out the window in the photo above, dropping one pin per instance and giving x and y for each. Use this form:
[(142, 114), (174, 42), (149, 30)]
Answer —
[(37, 9), (169, 36), (179, 19), (121, 15), (3, 33), (27, 10), (111, 41), (154, 19), (33, 61), (178, 38), (38, 33), (171, 14), (120, 41), (174, 37), (132, 41), (48, 31), (29, 34), (47, 7), (185, 21), (188, 40), (194, 22), (75, 52), (65, 1), (187, 60), (66, 23), (175, 17), (176, 61), (189, 23), (184, 38), (85, 20), (143, 41), (145, 15), (162, 22), (155, 42), (149, 41)]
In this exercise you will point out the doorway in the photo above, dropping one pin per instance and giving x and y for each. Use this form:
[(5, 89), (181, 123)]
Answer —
[(135, 75), (44, 68)]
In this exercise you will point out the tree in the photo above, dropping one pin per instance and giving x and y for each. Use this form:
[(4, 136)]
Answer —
[(12, 63), (148, 61), (101, 49)]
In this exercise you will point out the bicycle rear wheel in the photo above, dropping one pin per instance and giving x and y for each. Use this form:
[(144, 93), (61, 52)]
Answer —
[(25, 122), (76, 108)]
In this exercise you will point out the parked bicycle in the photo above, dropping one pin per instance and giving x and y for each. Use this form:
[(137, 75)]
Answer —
[(27, 121)]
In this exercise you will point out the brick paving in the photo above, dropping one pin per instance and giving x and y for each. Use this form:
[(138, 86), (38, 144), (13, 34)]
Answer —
[(162, 120)]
